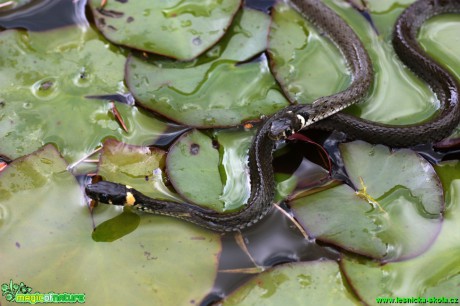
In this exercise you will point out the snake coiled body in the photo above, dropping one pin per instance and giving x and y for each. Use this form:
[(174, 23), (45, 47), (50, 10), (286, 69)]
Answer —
[(441, 82), (323, 114)]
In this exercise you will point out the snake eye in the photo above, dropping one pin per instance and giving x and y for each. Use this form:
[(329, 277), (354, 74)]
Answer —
[(279, 128)]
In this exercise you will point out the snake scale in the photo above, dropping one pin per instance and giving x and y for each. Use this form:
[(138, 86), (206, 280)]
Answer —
[(324, 113)]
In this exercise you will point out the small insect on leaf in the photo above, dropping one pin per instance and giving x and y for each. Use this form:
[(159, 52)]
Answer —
[(118, 116), (248, 126)]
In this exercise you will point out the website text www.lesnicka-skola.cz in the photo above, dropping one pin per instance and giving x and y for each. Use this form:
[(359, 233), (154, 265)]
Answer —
[(417, 300)]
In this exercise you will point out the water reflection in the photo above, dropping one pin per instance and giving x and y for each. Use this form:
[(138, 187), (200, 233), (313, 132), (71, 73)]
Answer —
[(35, 16)]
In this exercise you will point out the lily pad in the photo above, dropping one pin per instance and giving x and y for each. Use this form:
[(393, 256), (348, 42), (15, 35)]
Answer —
[(45, 78), (142, 168), (307, 283), (198, 93), (211, 173), (194, 159), (438, 38), (308, 66), (396, 212), (175, 28), (433, 274), (39, 196)]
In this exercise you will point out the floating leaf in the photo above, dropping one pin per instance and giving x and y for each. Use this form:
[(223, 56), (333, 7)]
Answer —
[(396, 213), (39, 196), (198, 93), (308, 66), (307, 283), (139, 167), (203, 176), (193, 167), (116, 228), (45, 78), (175, 28), (418, 277), (435, 36)]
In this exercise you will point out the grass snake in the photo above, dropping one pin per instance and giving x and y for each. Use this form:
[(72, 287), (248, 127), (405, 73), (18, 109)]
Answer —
[(323, 113)]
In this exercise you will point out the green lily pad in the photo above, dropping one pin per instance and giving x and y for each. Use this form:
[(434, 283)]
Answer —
[(396, 213), (376, 166), (175, 28), (433, 274), (142, 168), (39, 196), (198, 93), (45, 78), (437, 37), (117, 227), (306, 283), (308, 66), (211, 173), (193, 158)]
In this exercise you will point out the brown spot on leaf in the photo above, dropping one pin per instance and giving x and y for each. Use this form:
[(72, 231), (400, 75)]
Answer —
[(122, 1), (112, 27), (149, 256), (111, 13), (194, 149), (129, 19)]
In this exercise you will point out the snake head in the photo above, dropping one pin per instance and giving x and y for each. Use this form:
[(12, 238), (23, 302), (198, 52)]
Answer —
[(108, 192), (285, 126)]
